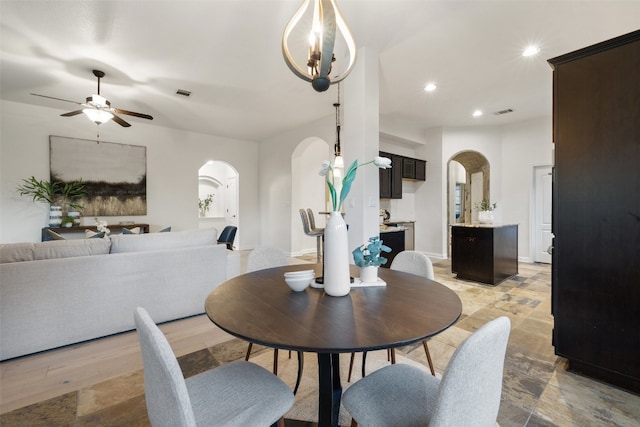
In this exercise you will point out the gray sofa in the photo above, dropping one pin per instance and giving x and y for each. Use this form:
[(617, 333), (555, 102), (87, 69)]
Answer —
[(63, 292)]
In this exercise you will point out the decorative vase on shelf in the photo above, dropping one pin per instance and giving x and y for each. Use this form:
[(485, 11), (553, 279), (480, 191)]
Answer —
[(369, 274), (76, 217), (485, 217), (337, 281), (55, 216)]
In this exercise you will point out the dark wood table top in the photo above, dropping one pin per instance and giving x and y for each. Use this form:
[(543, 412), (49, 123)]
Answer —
[(259, 307)]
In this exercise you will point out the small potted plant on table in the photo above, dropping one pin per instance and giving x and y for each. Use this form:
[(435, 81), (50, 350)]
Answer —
[(369, 258)]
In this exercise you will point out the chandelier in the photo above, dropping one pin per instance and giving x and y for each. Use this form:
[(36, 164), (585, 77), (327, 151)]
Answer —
[(325, 23)]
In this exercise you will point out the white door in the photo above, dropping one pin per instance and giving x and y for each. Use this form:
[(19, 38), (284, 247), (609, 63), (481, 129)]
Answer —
[(542, 214), (231, 203)]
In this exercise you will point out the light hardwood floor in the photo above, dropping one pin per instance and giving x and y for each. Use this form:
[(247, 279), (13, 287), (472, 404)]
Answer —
[(31, 379)]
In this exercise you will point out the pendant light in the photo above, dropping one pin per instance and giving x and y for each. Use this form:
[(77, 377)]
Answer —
[(338, 161), (325, 23)]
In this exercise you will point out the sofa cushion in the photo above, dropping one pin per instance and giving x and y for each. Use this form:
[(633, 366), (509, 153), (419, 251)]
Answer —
[(90, 234), (153, 241), (18, 252), (135, 230), (54, 236)]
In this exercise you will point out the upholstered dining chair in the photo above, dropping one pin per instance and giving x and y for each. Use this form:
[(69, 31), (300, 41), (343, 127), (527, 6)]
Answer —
[(268, 257), (411, 262), (227, 236), (310, 230), (236, 394), (468, 394)]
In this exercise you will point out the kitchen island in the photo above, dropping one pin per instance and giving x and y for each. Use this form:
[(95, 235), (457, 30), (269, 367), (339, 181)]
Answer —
[(486, 253)]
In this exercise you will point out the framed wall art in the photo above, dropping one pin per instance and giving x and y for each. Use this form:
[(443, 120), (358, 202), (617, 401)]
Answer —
[(115, 174)]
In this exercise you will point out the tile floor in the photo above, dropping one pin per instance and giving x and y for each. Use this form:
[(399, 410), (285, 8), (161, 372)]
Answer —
[(70, 386)]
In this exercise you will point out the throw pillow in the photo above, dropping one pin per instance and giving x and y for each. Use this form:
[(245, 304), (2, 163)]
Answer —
[(90, 234), (54, 236), (135, 230)]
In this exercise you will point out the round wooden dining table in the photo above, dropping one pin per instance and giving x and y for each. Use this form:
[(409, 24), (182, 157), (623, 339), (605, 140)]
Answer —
[(260, 308)]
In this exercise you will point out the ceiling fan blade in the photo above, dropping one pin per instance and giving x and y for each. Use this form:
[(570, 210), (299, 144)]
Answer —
[(58, 99), (119, 121), (131, 113), (71, 113)]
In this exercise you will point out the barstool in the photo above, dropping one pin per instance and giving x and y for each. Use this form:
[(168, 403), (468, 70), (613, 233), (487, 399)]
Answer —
[(318, 233)]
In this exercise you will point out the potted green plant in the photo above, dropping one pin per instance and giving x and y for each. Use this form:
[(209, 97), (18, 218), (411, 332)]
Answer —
[(40, 190), (485, 209), (54, 193), (71, 192), (369, 258), (67, 221), (204, 204)]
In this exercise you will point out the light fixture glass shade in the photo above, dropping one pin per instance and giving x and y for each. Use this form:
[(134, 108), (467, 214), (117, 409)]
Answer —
[(325, 23), (98, 116)]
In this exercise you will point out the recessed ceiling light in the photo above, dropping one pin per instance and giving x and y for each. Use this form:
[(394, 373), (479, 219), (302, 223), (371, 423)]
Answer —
[(430, 87), (531, 50), (477, 113)]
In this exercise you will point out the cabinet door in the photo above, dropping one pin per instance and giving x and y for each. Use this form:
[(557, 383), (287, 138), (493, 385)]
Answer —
[(396, 177), (421, 170), (395, 240), (408, 168), (385, 179), (596, 208)]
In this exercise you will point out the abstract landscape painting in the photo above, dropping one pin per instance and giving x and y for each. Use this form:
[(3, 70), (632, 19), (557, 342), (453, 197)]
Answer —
[(115, 174)]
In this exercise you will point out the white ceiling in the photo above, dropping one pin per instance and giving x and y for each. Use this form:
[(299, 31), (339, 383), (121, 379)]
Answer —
[(228, 54)]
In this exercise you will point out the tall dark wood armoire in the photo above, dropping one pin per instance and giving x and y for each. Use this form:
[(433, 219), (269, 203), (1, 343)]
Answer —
[(596, 210)]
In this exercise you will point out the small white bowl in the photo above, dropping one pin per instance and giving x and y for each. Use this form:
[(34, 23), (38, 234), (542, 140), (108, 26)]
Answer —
[(299, 284), (298, 273)]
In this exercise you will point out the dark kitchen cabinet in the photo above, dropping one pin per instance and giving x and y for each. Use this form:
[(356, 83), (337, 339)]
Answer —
[(396, 241), (414, 169), (391, 179), (401, 168), (484, 253), (408, 168), (596, 210), (421, 170)]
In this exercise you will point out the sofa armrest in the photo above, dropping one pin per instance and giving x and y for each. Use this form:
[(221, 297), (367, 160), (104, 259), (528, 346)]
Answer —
[(233, 264)]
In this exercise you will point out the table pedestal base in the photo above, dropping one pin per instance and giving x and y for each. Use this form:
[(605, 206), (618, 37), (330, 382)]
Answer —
[(330, 389)]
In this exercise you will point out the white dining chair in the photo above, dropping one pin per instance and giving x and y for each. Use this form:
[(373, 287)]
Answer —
[(239, 393), (261, 258), (411, 262), (468, 394)]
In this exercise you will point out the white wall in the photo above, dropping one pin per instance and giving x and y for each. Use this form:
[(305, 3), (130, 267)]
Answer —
[(276, 220), (173, 159), (524, 146), (430, 228)]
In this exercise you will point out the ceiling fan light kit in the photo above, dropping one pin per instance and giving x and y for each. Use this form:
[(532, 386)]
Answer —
[(326, 21), (98, 109)]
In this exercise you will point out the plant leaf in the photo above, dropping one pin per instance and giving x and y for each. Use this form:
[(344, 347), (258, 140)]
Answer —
[(346, 182)]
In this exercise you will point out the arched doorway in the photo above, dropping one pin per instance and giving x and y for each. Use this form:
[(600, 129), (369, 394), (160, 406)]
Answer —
[(308, 190), (218, 197), (468, 178)]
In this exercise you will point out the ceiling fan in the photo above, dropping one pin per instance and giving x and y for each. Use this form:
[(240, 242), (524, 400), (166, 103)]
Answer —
[(98, 108)]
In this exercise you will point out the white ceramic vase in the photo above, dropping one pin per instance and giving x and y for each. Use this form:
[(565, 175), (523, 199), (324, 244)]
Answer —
[(369, 274), (485, 217), (336, 257)]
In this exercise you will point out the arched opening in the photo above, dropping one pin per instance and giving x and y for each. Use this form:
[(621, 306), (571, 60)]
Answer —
[(468, 178), (218, 197), (308, 190)]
